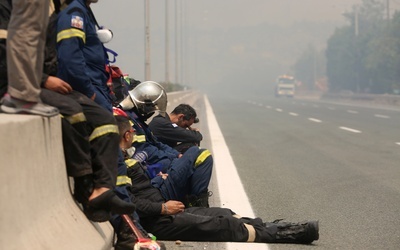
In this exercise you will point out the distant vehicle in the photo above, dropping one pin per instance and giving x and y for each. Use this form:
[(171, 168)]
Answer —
[(285, 86)]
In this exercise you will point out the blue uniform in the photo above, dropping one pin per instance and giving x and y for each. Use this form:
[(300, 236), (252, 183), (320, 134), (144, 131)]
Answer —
[(188, 175), (81, 55)]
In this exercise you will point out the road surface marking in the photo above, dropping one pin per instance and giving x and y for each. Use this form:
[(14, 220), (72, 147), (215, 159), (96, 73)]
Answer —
[(350, 129), (382, 116), (398, 143), (232, 196), (293, 114), (332, 108), (279, 110), (352, 111), (314, 120)]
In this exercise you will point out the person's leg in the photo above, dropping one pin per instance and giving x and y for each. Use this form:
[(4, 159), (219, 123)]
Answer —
[(199, 224), (25, 55), (188, 175), (74, 133), (25, 48), (104, 149)]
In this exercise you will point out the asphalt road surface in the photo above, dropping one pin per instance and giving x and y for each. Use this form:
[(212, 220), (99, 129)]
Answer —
[(302, 159)]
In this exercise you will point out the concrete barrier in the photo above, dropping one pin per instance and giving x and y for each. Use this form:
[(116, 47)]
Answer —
[(37, 208)]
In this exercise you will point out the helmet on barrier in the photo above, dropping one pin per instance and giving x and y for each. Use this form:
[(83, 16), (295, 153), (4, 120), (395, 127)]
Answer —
[(146, 97)]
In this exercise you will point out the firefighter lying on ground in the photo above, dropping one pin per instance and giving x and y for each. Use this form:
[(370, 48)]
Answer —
[(168, 219)]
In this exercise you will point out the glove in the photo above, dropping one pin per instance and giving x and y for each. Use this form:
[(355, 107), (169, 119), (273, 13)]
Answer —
[(140, 156)]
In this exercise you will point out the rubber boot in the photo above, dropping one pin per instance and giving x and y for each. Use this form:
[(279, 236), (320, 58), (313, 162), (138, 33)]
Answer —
[(200, 200), (303, 232)]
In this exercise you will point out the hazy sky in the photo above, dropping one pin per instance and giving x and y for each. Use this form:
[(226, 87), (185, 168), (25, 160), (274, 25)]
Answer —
[(126, 19)]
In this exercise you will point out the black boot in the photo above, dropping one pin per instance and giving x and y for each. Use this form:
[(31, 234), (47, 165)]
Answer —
[(83, 188), (200, 200), (303, 232)]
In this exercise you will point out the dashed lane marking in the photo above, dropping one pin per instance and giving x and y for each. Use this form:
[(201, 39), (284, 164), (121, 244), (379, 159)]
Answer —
[(293, 114), (382, 116), (352, 111), (350, 129), (279, 110), (314, 120)]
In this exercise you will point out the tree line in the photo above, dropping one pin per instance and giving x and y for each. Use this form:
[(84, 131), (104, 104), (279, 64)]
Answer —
[(362, 56)]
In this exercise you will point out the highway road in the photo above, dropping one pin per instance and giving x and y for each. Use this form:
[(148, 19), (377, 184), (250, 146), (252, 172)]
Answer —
[(303, 159)]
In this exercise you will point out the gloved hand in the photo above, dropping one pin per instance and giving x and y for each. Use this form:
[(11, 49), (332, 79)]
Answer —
[(140, 156)]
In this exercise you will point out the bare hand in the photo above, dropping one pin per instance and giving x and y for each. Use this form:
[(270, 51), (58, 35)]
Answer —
[(173, 207), (164, 176), (57, 85)]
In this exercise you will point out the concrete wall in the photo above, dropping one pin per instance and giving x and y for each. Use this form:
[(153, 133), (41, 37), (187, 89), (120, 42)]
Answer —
[(37, 210)]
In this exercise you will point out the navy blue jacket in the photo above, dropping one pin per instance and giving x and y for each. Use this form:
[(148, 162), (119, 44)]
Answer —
[(81, 55)]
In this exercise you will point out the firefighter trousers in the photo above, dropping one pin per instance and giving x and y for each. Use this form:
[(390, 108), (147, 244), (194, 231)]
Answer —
[(90, 137)]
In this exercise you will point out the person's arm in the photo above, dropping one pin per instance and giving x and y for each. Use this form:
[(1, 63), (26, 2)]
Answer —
[(164, 129), (71, 60)]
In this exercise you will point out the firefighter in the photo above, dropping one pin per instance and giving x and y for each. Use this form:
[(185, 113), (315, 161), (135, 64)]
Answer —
[(170, 220), (81, 55), (90, 137), (81, 62), (175, 129), (142, 102)]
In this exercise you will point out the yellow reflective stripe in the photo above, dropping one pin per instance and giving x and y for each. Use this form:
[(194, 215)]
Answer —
[(3, 34), (69, 33), (102, 130), (130, 163), (123, 180), (202, 157), (79, 117), (139, 138)]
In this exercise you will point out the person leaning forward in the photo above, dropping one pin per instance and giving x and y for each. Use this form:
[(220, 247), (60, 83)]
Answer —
[(176, 129)]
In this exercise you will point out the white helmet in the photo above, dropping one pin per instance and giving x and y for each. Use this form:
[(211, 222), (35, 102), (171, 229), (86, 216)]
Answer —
[(147, 97)]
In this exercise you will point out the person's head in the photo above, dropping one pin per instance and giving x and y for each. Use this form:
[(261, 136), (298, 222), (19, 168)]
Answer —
[(184, 116), (126, 132), (145, 99)]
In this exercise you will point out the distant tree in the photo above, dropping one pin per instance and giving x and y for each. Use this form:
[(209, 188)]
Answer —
[(349, 47), (383, 60)]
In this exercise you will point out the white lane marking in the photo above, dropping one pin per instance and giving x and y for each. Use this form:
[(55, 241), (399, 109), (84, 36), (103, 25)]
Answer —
[(293, 114), (398, 143), (230, 186), (268, 107), (350, 129), (314, 120), (232, 196), (279, 110), (382, 116), (352, 111), (260, 104)]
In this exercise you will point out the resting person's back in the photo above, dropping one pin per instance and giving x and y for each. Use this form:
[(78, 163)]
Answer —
[(175, 129)]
